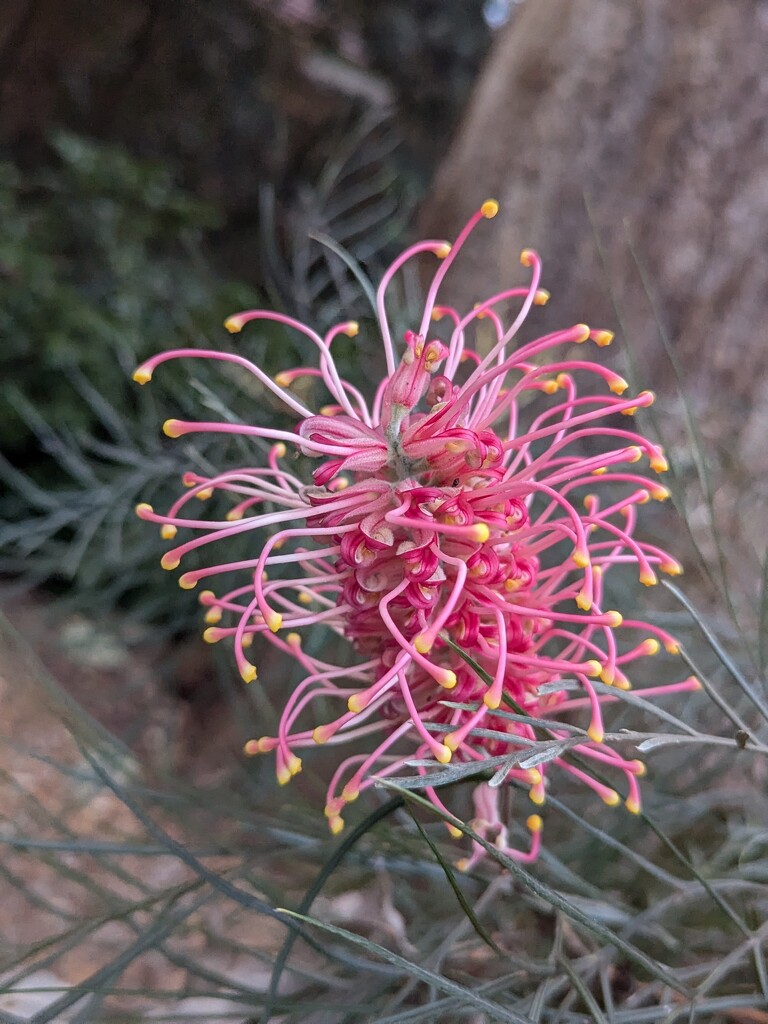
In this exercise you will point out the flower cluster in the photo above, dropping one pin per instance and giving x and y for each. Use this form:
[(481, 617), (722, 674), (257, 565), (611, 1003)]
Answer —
[(453, 522)]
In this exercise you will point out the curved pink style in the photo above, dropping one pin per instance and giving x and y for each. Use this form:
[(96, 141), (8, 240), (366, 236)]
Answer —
[(459, 508)]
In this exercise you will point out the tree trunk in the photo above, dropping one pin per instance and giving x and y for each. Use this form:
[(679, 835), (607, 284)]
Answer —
[(629, 142)]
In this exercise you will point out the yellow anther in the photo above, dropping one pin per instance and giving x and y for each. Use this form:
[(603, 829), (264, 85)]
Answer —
[(583, 601), (142, 510), (621, 682), (170, 560), (534, 823), (205, 494), (659, 463), (480, 533), (443, 250), (168, 531), (423, 643), (356, 703), (549, 387), (650, 646), (274, 620), (283, 379), (443, 753), (294, 639), (648, 578), (453, 832), (594, 668), (671, 568), (535, 777), (248, 672), (672, 647), (336, 825), (618, 385), (213, 615), (611, 798), (491, 700), (349, 794), (304, 598), (607, 676), (283, 775), (247, 640), (595, 733), (279, 450), (599, 471), (580, 558), (251, 748), (206, 596), (634, 453), (142, 375), (589, 501), (537, 795), (541, 297), (527, 256), (234, 324), (489, 209), (632, 805), (187, 581), (660, 493), (212, 635), (463, 864), (629, 412), (582, 333), (614, 618), (602, 338), (352, 329), (639, 768), (234, 515), (452, 741), (172, 428), (322, 733), (294, 764), (446, 678)]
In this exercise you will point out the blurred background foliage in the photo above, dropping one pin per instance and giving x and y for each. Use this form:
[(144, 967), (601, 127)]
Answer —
[(162, 164)]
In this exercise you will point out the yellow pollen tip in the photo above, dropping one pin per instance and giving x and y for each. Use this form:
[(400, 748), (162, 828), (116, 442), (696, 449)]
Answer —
[(443, 753), (169, 561), (602, 338), (549, 387), (614, 619), (283, 775), (447, 679), (248, 672), (632, 805), (671, 568), (629, 412), (594, 668), (356, 703), (660, 493), (463, 864), (453, 832), (651, 646), (206, 596), (234, 515), (304, 598), (436, 315), (142, 510), (480, 533), (489, 209), (349, 794), (294, 639), (607, 676), (659, 463), (212, 616), (534, 776), (541, 297), (694, 680), (621, 682), (336, 825), (247, 640), (423, 643), (639, 768), (352, 329), (168, 531), (583, 601), (274, 621), (580, 558), (251, 748), (233, 324), (205, 494), (634, 454), (527, 257), (596, 733), (452, 741), (283, 379), (492, 700), (142, 376), (279, 450), (611, 798), (187, 582), (672, 647), (648, 578), (212, 635), (294, 764), (582, 333), (537, 795), (321, 734), (172, 428), (600, 471), (443, 250), (534, 823), (618, 385)]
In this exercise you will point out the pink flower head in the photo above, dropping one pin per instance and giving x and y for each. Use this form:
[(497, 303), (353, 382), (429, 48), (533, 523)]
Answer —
[(457, 508)]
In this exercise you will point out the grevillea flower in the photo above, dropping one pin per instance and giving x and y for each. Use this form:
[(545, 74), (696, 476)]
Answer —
[(457, 510)]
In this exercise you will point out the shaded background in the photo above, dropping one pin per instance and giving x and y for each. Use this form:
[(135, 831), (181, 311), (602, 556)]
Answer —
[(165, 163)]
